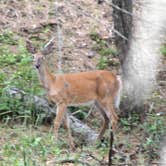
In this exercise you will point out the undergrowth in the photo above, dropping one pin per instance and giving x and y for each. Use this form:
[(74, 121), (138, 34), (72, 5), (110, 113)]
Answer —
[(163, 50), (102, 47), (28, 146), (17, 72), (149, 134)]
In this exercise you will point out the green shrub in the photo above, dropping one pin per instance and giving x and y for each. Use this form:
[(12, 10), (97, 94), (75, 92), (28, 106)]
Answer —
[(103, 49), (8, 38), (154, 129), (17, 71), (103, 63), (163, 50)]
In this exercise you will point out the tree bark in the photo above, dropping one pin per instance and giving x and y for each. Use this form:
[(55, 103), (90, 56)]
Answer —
[(123, 23), (122, 26)]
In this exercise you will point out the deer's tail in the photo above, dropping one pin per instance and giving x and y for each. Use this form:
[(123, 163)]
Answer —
[(119, 93)]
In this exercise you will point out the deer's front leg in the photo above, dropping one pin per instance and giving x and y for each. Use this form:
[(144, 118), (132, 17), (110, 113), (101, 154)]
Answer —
[(67, 126), (61, 109)]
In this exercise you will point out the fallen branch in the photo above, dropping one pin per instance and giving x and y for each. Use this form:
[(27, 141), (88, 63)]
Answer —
[(71, 161), (101, 162), (41, 105)]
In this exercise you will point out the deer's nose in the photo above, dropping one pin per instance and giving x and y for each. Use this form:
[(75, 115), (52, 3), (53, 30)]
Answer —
[(37, 65)]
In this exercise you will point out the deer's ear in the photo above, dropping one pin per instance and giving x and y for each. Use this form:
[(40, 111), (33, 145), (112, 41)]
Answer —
[(30, 47), (48, 48)]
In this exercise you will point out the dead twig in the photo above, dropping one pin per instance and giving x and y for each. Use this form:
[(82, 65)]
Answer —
[(71, 161), (160, 163), (101, 162)]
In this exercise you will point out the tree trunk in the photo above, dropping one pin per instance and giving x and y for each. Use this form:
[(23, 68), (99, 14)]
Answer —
[(123, 23), (122, 26)]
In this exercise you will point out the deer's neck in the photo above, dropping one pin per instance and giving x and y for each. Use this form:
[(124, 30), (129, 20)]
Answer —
[(46, 77)]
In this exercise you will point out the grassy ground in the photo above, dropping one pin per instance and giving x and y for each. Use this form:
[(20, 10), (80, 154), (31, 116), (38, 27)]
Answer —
[(22, 142), (25, 144), (22, 145), (30, 146)]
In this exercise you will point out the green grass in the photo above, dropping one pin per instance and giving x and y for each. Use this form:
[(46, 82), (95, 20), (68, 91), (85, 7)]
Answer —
[(8, 37), (31, 145), (147, 135), (29, 149), (22, 146)]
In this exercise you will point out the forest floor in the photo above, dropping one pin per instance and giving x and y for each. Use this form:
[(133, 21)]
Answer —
[(82, 31)]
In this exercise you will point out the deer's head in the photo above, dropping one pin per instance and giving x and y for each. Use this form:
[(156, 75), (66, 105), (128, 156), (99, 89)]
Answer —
[(39, 55)]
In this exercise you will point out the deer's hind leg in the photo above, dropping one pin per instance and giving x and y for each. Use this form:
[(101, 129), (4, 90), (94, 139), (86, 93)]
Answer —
[(108, 108), (105, 119), (111, 114)]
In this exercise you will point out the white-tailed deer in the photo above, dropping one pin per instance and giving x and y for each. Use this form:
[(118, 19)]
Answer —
[(99, 87)]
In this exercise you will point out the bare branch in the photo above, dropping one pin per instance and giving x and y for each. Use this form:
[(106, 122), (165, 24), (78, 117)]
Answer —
[(119, 34), (122, 10)]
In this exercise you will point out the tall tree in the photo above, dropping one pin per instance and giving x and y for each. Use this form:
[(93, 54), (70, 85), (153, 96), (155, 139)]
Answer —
[(122, 18), (123, 23)]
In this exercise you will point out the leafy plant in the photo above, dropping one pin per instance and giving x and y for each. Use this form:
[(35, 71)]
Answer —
[(80, 113), (102, 47), (8, 38), (103, 62), (17, 71), (27, 149), (107, 52), (163, 50), (154, 129)]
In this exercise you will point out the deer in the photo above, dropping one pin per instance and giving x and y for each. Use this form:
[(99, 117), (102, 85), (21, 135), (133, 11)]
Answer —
[(99, 87)]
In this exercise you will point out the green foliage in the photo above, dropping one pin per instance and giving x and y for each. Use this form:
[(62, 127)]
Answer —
[(80, 113), (28, 149), (130, 122), (95, 36), (103, 63), (46, 29), (151, 132), (154, 128), (102, 48), (16, 71), (8, 38), (163, 50), (28, 146), (107, 52)]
